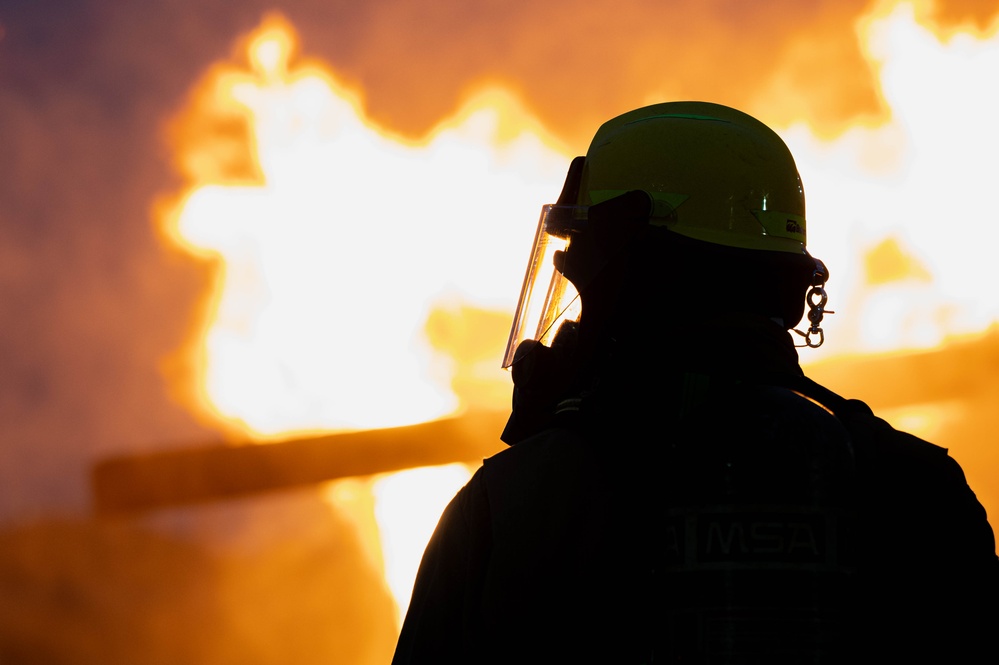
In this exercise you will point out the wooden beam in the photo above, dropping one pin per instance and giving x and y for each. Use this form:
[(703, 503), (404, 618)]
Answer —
[(141, 482)]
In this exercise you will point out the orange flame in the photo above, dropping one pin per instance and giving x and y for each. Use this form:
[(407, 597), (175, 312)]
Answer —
[(338, 242)]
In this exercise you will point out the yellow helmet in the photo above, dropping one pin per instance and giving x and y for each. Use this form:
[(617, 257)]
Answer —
[(715, 173)]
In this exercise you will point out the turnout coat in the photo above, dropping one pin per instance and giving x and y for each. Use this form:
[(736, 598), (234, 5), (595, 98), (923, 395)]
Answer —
[(706, 506)]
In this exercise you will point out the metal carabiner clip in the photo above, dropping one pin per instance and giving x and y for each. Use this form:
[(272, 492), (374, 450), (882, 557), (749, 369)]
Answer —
[(816, 310)]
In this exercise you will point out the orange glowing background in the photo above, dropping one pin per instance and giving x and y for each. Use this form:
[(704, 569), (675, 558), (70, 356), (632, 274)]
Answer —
[(290, 217)]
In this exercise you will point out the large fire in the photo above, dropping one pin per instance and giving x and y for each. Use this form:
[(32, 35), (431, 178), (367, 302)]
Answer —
[(336, 257), (338, 242)]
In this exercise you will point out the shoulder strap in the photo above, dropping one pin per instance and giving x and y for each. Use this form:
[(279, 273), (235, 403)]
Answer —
[(875, 440)]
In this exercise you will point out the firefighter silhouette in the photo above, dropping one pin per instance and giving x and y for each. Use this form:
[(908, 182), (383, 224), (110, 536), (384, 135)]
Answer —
[(676, 490)]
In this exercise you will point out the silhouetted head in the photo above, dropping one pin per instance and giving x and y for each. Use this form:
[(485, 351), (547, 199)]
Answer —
[(677, 212)]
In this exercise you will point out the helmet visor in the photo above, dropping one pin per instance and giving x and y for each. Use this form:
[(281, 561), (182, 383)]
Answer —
[(547, 298)]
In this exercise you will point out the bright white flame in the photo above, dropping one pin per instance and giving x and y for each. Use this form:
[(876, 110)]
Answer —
[(412, 502), (926, 176)]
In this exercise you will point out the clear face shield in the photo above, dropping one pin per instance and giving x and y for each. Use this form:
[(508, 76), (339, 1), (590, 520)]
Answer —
[(547, 298)]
